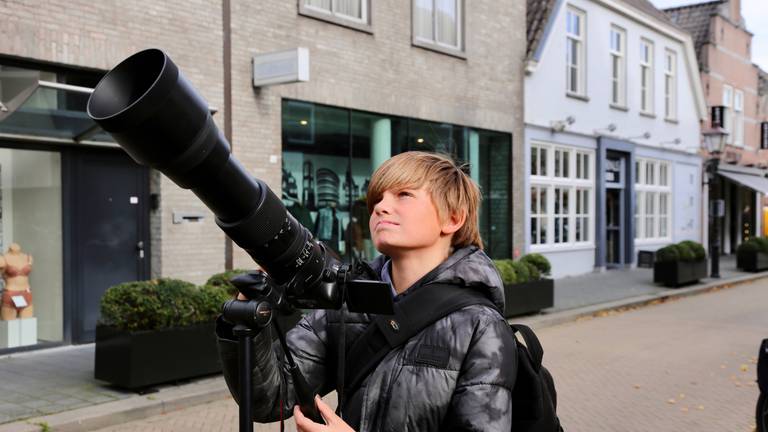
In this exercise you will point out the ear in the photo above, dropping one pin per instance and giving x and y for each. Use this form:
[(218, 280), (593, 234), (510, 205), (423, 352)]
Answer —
[(453, 222)]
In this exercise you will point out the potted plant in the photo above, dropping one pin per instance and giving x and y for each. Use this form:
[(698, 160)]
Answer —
[(157, 331), (752, 255), (680, 264), (526, 289)]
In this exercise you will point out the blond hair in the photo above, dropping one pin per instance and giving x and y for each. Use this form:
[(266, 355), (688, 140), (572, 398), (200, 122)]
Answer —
[(452, 191)]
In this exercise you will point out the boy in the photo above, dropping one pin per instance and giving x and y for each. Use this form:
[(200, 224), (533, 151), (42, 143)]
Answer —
[(424, 221)]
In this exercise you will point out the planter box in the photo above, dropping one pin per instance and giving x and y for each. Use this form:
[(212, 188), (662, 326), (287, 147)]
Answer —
[(752, 261), (144, 358), (528, 297), (677, 273)]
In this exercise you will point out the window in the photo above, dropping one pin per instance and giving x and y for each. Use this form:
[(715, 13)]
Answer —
[(575, 58), (670, 85), (728, 114), (618, 67), (738, 118), (561, 196), (351, 13), (329, 154), (438, 24), (653, 201), (646, 76)]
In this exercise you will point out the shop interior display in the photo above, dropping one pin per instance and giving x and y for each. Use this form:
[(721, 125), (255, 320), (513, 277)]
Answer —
[(335, 211), (17, 295)]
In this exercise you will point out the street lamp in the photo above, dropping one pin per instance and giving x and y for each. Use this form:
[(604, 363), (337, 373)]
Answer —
[(714, 140)]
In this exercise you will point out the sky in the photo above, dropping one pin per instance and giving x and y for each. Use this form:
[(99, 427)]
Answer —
[(755, 12)]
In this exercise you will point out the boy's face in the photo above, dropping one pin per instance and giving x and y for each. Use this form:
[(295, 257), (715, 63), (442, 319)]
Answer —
[(405, 219)]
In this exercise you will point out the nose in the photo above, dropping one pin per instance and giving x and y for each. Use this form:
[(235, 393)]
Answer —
[(384, 204)]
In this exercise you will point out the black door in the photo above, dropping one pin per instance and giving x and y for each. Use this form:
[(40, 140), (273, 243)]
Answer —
[(109, 237)]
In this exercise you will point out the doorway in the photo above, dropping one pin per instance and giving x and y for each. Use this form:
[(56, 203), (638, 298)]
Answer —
[(109, 230)]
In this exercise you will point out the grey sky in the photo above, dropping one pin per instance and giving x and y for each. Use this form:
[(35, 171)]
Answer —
[(755, 12)]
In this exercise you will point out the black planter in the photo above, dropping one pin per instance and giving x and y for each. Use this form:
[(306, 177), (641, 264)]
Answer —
[(676, 273), (528, 297), (752, 261), (144, 358)]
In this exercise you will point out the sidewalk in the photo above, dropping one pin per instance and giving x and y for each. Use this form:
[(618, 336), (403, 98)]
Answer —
[(56, 388)]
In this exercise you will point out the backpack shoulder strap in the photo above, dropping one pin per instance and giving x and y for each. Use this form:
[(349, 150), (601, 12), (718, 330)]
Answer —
[(413, 313), (532, 343)]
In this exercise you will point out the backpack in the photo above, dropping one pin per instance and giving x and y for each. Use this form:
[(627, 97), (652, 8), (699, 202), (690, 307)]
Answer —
[(534, 398)]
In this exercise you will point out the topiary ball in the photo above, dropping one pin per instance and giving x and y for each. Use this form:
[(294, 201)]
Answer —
[(539, 261), (506, 271), (667, 254), (522, 271)]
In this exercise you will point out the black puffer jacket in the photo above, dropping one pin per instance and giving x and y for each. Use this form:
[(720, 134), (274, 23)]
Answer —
[(472, 393)]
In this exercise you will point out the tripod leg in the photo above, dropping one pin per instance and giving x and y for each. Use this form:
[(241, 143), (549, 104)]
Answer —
[(245, 345)]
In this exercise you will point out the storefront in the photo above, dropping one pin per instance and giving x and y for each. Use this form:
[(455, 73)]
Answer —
[(73, 209), (329, 154), (741, 189)]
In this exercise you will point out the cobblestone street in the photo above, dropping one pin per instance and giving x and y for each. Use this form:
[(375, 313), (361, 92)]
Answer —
[(685, 365)]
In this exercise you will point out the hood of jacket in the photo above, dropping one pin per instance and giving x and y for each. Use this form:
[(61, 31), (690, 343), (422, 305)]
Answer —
[(467, 267)]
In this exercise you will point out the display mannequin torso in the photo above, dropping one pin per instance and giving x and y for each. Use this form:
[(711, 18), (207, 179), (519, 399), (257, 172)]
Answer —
[(16, 267)]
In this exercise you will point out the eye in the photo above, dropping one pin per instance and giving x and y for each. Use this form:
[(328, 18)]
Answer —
[(404, 194)]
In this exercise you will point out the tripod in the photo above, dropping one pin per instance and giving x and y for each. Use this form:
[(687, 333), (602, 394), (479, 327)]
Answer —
[(249, 318)]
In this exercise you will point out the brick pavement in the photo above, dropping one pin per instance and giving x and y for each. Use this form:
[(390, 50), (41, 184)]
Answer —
[(683, 365)]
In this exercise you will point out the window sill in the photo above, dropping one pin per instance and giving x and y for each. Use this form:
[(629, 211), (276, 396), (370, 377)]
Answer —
[(564, 247), (577, 96), (453, 52), (671, 120), (653, 241), (333, 19), (648, 114), (619, 107)]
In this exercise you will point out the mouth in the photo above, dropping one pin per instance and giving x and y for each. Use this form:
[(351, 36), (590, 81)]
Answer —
[(382, 224)]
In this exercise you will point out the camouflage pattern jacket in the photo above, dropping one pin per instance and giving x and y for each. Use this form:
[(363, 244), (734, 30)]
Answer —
[(472, 392)]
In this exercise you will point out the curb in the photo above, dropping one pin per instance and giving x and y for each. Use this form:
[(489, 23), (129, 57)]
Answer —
[(591, 311), (125, 410)]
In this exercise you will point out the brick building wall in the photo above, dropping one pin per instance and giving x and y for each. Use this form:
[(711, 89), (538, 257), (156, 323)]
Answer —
[(380, 72), (98, 35)]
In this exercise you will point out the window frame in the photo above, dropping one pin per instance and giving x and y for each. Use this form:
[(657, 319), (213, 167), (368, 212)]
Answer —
[(580, 181), (364, 24), (435, 45), (581, 49), (647, 89), (618, 99), (738, 118), (654, 189), (728, 96), (670, 85)]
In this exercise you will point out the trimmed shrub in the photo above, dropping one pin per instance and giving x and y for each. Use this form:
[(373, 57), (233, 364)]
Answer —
[(160, 303), (506, 271), (749, 246), (761, 242), (522, 271), (539, 261), (533, 271), (668, 254), (685, 252), (699, 253), (223, 280)]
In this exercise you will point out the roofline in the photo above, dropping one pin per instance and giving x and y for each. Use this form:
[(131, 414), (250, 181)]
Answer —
[(647, 20), (692, 5)]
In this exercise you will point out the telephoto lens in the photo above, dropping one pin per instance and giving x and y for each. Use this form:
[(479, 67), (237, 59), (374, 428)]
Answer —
[(158, 118)]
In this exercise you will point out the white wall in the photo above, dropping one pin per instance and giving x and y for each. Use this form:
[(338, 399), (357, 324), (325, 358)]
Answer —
[(545, 88)]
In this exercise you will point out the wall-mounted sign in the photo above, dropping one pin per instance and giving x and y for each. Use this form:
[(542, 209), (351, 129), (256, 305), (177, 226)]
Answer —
[(281, 67), (764, 135), (718, 117)]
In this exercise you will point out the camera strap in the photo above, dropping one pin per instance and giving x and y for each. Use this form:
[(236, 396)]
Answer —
[(413, 313)]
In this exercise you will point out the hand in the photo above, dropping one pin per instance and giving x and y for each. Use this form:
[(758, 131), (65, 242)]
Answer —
[(333, 422)]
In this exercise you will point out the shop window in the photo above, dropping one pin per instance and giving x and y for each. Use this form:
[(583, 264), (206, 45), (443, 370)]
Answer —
[(330, 153), (31, 245)]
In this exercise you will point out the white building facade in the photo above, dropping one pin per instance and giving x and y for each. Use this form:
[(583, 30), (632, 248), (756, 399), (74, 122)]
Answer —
[(613, 106)]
